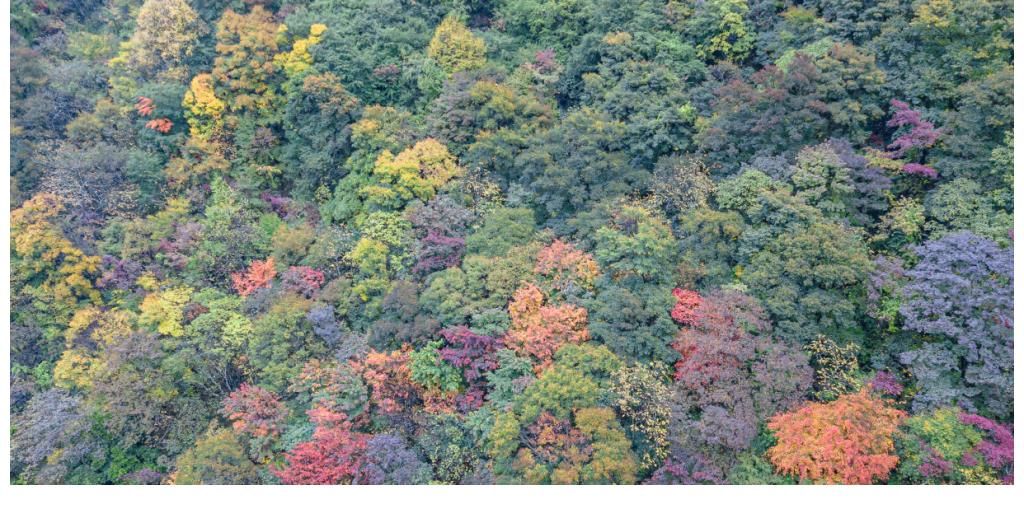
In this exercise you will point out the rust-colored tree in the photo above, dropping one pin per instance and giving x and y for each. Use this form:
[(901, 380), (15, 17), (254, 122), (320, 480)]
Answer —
[(390, 381), (257, 414), (258, 275), (255, 411), (144, 106), (538, 330), (161, 125), (565, 267), (847, 441)]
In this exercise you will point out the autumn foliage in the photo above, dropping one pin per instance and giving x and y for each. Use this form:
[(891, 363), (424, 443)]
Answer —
[(144, 106), (258, 275), (475, 242), (564, 265), (255, 411), (684, 311), (847, 441), (333, 456), (538, 330), (389, 378)]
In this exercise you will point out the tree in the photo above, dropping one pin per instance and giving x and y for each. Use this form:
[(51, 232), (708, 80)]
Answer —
[(164, 310), (333, 456), (390, 461), (244, 67), (847, 441), (476, 106), (166, 35), (334, 385), (579, 378), (812, 280), (643, 405), (256, 413), (474, 354), (949, 446), (681, 184), (501, 230), (227, 240), (46, 266), (719, 30), (317, 124), (539, 330), (203, 110), (590, 449), (455, 48), (912, 144), (731, 376), (823, 180), (377, 50), (418, 172), (962, 204), (960, 291), (217, 458), (775, 112), (435, 375), (440, 227), (687, 302), (635, 322), (389, 378), (612, 460), (259, 275), (636, 244), (49, 423), (582, 160), (566, 269), (835, 368), (631, 83)]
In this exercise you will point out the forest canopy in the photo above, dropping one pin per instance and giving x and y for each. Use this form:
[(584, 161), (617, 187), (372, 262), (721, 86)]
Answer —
[(511, 242)]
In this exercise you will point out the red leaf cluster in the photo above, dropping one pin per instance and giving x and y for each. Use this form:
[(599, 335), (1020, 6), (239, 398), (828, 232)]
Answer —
[(684, 312), (333, 456), (303, 280), (565, 265), (390, 380)]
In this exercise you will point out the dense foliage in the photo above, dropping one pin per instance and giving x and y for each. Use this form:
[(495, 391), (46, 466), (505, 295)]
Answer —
[(511, 241)]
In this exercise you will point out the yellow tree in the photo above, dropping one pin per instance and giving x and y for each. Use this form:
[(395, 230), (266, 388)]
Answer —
[(416, 172), (166, 32), (455, 48), (244, 67), (47, 270)]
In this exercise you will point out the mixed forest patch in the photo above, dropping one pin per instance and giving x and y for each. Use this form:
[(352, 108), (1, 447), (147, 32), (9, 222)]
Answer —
[(511, 241)]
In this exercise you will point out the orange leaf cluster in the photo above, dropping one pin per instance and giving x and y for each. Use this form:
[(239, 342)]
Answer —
[(847, 441), (390, 380), (162, 125), (258, 275), (144, 106), (538, 330), (565, 265)]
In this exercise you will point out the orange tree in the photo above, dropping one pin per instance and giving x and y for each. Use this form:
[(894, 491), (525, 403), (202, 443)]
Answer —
[(847, 441)]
